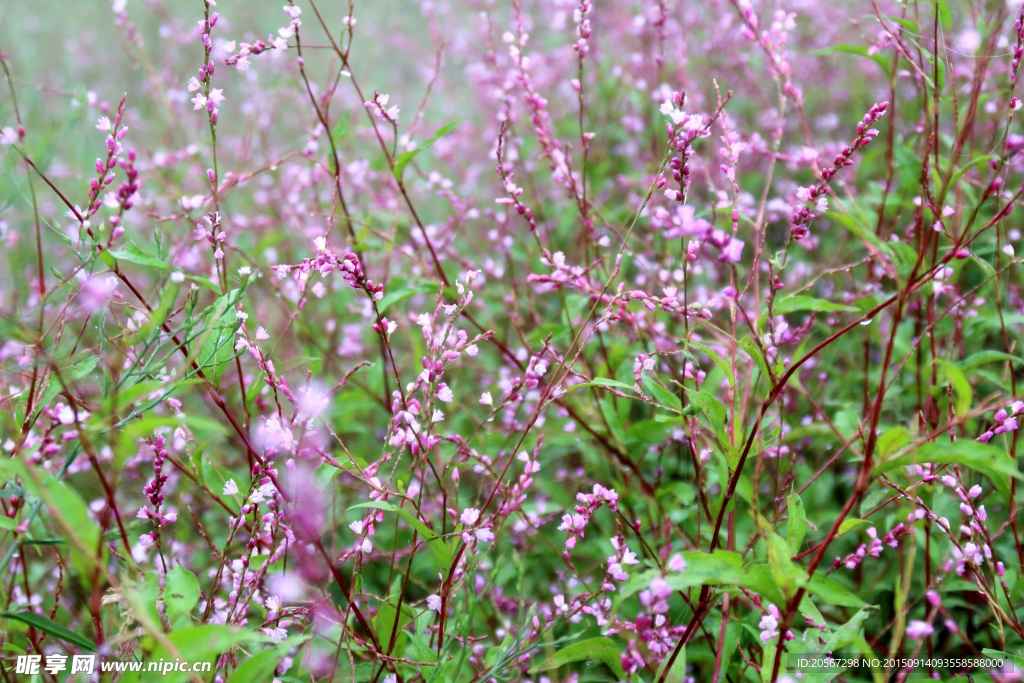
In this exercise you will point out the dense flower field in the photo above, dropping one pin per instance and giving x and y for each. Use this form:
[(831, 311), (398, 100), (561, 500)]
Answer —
[(512, 340)]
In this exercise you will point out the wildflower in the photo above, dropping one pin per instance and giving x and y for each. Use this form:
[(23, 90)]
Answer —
[(433, 602), (918, 630), (769, 624), (230, 487), (469, 516)]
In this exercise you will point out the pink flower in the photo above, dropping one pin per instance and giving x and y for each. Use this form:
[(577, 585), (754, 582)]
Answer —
[(8, 136), (433, 602), (199, 100), (193, 84), (732, 252), (103, 124), (469, 516), (918, 630)]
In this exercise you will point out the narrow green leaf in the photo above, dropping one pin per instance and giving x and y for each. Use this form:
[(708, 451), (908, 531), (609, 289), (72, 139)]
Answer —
[(405, 157), (960, 383), (854, 50), (807, 303), (796, 528), (46, 626)]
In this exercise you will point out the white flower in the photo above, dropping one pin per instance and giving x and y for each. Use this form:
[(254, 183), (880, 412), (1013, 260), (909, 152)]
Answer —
[(918, 630), (8, 136), (230, 487), (485, 399)]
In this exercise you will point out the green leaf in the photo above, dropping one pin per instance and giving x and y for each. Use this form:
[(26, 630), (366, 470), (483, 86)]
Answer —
[(399, 290), (720, 568), (960, 382), (849, 524), (722, 363), (983, 458), (945, 15), (199, 644), (796, 528), (982, 357), (661, 394), (438, 548), (892, 440), (404, 158), (829, 590), (385, 620), (70, 506), (845, 634), (217, 341), (603, 649), (133, 254), (678, 672), (603, 382), (806, 303), (854, 50), (711, 407), (975, 162), (46, 626), (181, 595), (787, 575), (68, 375), (257, 668), (341, 128)]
